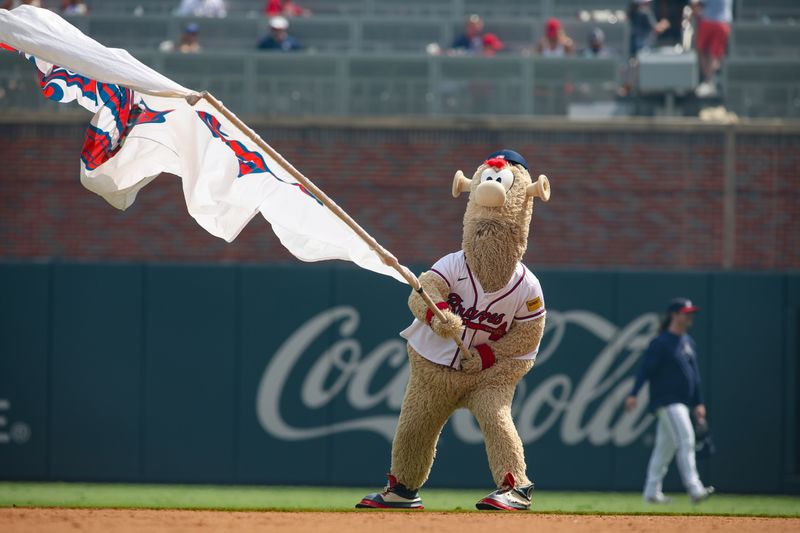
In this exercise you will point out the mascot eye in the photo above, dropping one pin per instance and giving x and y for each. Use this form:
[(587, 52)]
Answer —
[(488, 175), (505, 177)]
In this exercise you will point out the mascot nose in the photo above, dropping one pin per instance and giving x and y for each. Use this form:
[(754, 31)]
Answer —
[(490, 194)]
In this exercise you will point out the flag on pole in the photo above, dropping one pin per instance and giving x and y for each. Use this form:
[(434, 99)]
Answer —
[(143, 126)]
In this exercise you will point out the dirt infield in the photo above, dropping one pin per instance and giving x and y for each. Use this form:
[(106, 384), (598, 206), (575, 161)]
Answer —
[(124, 521)]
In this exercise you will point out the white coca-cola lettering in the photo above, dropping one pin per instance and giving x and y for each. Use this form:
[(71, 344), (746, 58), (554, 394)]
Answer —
[(342, 370)]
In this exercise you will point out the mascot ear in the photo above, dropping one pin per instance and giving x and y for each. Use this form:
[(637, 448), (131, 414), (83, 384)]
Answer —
[(460, 184), (539, 189)]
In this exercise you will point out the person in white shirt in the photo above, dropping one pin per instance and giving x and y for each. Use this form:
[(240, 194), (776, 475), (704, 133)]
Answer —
[(202, 8)]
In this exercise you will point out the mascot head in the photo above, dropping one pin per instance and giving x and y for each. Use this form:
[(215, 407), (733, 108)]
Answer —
[(498, 214)]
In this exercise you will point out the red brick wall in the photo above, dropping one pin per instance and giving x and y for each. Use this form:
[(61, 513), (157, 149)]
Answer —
[(621, 199)]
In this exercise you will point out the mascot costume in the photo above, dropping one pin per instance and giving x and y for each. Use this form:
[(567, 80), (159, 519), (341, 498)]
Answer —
[(494, 304)]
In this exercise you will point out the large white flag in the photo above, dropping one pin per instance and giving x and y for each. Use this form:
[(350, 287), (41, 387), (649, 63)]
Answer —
[(143, 126)]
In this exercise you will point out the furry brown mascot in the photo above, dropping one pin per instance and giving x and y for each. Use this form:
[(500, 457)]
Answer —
[(495, 305)]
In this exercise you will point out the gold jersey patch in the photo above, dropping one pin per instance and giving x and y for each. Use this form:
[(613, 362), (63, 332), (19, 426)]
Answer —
[(534, 304)]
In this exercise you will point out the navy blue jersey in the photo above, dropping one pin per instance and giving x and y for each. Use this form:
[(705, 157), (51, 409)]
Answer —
[(465, 42), (288, 44), (670, 366)]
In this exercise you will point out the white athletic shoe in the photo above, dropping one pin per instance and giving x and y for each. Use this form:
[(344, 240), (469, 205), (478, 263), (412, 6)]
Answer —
[(394, 496), (705, 90), (702, 495), (659, 499), (509, 497)]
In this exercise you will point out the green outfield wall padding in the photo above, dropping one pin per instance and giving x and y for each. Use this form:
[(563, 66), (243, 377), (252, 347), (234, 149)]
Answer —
[(25, 323), (295, 373), (746, 385), (190, 373), (96, 372)]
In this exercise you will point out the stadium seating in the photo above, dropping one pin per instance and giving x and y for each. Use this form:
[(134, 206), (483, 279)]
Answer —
[(332, 33), (749, 39), (568, 9), (461, 8), (383, 34), (283, 86), (557, 83), (164, 7), (376, 86), (427, 8), (763, 87), (416, 84), (124, 31), (336, 84), (767, 9), (393, 8), (325, 33), (19, 88), (369, 57), (761, 10), (386, 34)]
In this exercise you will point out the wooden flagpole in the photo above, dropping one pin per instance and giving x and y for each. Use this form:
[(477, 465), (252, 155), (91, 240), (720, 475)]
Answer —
[(387, 258)]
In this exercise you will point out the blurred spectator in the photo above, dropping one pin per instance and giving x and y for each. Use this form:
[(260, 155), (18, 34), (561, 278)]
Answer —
[(279, 39), (287, 8), (202, 8), (11, 4), (672, 11), (491, 44), (474, 41), (597, 45), (555, 42), (713, 30), (471, 41), (644, 27), (74, 7), (644, 31), (189, 42)]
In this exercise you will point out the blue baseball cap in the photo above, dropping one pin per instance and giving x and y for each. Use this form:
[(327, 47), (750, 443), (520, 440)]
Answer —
[(511, 156), (682, 305)]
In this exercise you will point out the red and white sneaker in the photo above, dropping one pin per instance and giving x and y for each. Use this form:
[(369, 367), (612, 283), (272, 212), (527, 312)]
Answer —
[(509, 497), (394, 496)]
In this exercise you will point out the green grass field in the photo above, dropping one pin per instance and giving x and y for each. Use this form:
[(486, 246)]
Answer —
[(342, 499)]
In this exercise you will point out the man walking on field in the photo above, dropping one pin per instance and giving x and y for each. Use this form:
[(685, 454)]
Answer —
[(670, 366)]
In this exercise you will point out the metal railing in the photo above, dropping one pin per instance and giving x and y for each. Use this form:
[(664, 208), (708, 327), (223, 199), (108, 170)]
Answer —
[(382, 34), (363, 34), (426, 8), (329, 84), (352, 84)]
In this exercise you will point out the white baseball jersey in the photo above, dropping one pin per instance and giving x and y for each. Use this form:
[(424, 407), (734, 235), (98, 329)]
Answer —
[(487, 316)]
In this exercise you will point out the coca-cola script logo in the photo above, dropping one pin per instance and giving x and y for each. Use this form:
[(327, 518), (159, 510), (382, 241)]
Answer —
[(557, 401)]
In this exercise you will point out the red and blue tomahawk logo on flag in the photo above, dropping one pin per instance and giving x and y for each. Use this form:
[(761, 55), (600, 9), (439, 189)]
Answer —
[(250, 162), (98, 145)]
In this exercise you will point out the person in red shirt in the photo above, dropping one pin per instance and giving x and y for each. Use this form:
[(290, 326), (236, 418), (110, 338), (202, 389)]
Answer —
[(287, 8), (555, 42), (491, 44), (713, 30)]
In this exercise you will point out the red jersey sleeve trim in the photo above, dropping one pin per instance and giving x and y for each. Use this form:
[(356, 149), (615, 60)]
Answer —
[(534, 315), (442, 276)]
